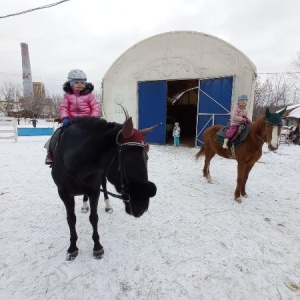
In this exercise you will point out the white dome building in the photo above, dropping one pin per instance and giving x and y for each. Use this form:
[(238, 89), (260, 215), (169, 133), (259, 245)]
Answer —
[(184, 76)]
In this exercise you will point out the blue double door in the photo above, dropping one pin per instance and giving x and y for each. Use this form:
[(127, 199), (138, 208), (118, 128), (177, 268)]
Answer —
[(214, 103)]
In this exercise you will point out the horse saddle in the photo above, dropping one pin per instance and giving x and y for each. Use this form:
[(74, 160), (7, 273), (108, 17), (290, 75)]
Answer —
[(237, 139), (55, 139)]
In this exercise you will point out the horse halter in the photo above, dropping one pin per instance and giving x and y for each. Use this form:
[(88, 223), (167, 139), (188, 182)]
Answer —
[(266, 125), (123, 178)]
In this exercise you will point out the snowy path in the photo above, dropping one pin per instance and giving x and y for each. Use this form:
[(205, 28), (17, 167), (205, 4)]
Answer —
[(195, 242)]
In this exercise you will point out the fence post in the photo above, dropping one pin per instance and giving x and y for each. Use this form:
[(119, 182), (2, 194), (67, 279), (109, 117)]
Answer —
[(8, 125)]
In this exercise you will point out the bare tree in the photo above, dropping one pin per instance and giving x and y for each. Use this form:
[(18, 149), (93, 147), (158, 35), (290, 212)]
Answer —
[(276, 92), (11, 94), (53, 102), (260, 96), (295, 79)]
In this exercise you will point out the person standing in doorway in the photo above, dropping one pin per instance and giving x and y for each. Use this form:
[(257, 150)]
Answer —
[(176, 134)]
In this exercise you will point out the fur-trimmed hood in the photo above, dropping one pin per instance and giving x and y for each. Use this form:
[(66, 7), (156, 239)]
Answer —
[(89, 87), (78, 103)]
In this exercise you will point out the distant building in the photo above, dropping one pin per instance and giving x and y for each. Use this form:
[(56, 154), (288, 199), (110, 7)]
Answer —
[(38, 90)]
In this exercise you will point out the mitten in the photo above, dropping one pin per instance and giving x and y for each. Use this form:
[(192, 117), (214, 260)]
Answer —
[(66, 121), (244, 120)]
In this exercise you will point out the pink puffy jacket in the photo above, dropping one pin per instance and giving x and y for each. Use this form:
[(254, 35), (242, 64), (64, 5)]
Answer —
[(237, 115), (79, 103)]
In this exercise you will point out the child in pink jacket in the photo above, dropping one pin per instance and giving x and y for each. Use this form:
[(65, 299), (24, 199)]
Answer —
[(238, 116), (78, 101)]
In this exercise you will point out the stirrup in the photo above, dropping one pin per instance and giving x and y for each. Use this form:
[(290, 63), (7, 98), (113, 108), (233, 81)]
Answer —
[(48, 161)]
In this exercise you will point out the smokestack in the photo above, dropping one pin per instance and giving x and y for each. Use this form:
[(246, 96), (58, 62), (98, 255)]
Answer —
[(27, 78)]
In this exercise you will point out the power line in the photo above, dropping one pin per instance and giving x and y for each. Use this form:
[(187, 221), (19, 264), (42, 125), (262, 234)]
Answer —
[(33, 9), (34, 77)]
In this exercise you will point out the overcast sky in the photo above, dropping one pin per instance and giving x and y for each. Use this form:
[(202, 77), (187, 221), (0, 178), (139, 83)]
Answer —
[(92, 34)]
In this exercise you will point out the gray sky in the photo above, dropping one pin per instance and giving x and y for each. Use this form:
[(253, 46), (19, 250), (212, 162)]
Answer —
[(92, 34)]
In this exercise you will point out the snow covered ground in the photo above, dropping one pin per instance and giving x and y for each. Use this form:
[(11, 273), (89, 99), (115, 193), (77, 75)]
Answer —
[(195, 242)]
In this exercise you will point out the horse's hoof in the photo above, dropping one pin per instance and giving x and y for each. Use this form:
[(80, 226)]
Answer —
[(84, 210), (71, 256), (238, 200), (109, 210), (98, 254), (245, 196)]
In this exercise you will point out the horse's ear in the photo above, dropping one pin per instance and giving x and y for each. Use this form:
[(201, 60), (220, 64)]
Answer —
[(282, 112), (267, 112), (147, 130), (127, 130)]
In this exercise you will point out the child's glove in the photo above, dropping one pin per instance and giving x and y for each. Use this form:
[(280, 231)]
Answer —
[(244, 120), (66, 121), (247, 119)]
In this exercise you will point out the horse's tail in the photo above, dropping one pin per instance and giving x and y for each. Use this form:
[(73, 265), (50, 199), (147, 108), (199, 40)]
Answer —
[(200, 153)]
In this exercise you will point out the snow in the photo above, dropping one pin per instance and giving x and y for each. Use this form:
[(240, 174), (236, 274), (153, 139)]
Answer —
[(195, 242), (295, 113)]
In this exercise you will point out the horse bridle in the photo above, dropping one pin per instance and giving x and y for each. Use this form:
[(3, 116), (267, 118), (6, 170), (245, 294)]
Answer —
[(123, 178), (266, 124)]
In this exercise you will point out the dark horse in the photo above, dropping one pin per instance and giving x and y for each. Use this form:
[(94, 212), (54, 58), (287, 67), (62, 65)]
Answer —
[(85, 206), (90, 149), (266, 129)]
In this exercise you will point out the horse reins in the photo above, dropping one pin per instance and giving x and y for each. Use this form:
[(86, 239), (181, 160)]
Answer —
[(86, 184), (123, 195)]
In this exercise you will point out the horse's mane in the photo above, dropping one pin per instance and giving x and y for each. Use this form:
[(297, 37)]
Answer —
[(92, 124), (258, 125)]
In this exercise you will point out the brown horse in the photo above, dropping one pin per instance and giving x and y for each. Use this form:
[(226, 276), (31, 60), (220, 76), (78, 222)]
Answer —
[(266, 129)]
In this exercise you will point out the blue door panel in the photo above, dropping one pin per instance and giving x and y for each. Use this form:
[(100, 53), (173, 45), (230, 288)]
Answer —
[(214, 103), (152, 109), (215, 95)]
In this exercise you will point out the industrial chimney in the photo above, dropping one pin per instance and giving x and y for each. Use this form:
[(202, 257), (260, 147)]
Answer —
[(27, 78)]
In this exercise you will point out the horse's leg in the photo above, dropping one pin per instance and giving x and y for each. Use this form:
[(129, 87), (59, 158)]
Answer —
[(85, 205), (98, 249), (246, 175), (208, 157), (108, 207), (71, 218), (240, 180)]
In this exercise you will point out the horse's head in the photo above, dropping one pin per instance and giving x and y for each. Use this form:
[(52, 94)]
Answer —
[(273, 128), (133, 181)]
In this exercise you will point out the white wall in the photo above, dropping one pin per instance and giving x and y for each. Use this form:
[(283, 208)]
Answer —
[(174, 56)]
